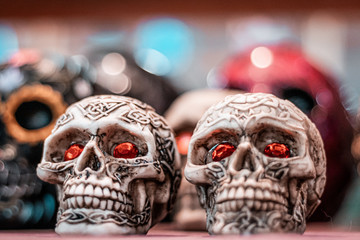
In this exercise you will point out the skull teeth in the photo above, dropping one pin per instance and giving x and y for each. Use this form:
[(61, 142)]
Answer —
[(90, 197), (232, 199), (89, 190), (237, 205), (95, 203), (243, 184)]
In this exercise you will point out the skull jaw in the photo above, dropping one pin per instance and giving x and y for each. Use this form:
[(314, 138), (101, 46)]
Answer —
[(100, 222), (247, 216), (247, 222), (66, 228)]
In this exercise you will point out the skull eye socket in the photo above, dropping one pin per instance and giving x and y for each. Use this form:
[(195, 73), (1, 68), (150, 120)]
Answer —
[(278, 150), (73, 152), (182, 142), (126, 150), (300, 98), (221, 151)]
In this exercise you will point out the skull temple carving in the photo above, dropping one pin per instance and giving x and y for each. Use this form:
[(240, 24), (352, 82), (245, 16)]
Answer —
[(258, 164), (115, 164)]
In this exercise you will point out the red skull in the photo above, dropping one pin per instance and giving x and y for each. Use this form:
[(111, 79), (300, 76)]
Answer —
[(284, 71)]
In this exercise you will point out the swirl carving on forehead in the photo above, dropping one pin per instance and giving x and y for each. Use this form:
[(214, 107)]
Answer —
[(102, 106), (244, 108), (62, 120), (99, 108)]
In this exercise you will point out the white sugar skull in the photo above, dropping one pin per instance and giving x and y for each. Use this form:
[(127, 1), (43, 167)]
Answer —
[(116, 166), (259, 165)]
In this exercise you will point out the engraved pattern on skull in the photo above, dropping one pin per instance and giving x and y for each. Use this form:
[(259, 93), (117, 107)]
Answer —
[(182, 116), (103, 191), (243, 190)]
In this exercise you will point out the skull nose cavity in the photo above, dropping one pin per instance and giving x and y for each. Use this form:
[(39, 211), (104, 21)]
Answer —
[(89, 160), (92, 162), (241, 158)]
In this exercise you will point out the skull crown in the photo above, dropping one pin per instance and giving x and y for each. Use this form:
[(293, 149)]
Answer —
[(258, 164), (116, 166)]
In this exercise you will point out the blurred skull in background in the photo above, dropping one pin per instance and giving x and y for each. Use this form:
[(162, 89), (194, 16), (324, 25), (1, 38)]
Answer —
[(35, 90), (284, 71), (182, 116)]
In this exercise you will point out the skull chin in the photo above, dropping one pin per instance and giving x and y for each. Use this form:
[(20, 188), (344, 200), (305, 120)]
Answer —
[(103, 208), (249, 209)]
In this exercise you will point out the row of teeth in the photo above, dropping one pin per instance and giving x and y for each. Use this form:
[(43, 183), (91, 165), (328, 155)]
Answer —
[(96, 203), (82, 190), (236, 205), (248, 182), (240, 193)]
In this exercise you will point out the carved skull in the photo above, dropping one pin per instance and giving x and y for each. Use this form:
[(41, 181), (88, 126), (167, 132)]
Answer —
[(259, 165), (182, 116), (293, 76), (116, 166)]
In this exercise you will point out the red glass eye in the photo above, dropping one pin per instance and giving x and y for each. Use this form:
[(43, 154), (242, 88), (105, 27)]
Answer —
[(278, 150), (222, 151), (126, 150), (73, 152), (182, 142)]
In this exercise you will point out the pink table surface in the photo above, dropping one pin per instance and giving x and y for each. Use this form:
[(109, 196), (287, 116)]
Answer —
[(166, 231)]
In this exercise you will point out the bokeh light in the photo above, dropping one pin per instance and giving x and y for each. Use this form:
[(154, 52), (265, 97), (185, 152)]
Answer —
[(182, 142), (10, 79), (8, 43), (25, 56), (113, 63), (82, 88), (153, 61), (261, 57), (119, 85), (163, 46)]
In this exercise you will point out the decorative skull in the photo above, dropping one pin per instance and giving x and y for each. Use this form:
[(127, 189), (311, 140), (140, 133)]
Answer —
[(182, 116), (288, 74), (116, 166), (258, 163)]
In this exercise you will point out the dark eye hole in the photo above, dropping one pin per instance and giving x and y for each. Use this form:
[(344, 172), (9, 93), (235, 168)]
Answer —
[(277, 150), (73, 152), (300, 98), (182, 142), (237, 84), (126, 150), (221, 151), (33, 115)]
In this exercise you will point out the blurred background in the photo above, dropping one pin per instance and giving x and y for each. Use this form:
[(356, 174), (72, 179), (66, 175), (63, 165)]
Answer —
[(189, 39), (156, 50)]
